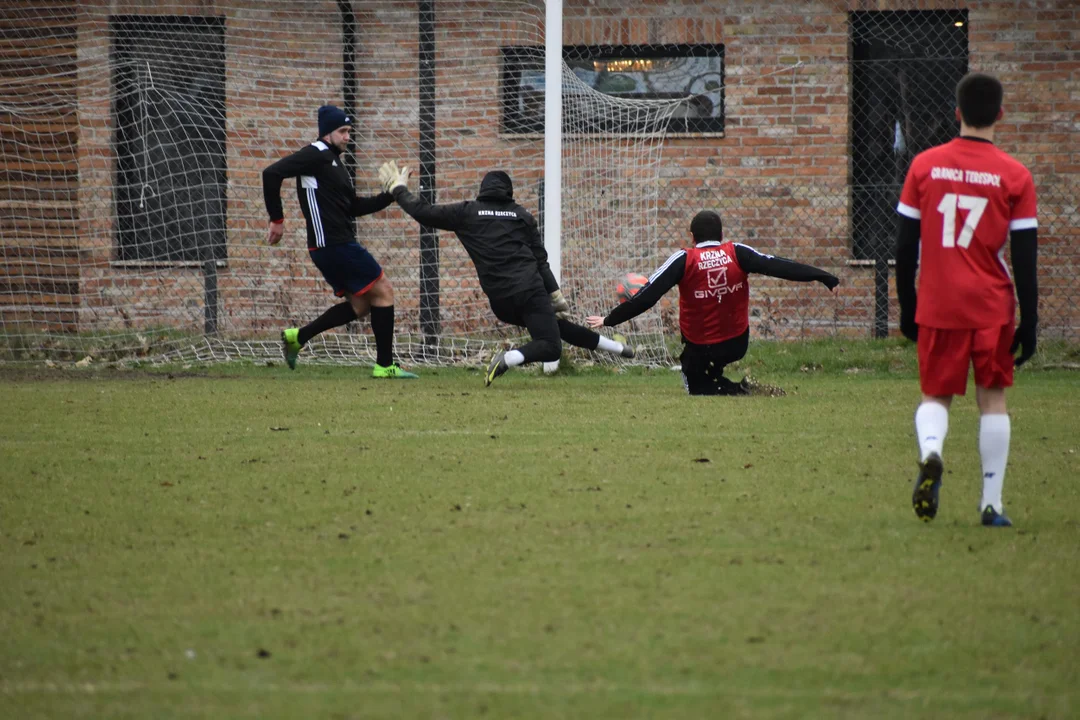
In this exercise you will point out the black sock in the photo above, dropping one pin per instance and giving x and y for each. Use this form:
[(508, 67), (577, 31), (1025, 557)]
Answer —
[(382, 327), (340, 314), (578, 335)]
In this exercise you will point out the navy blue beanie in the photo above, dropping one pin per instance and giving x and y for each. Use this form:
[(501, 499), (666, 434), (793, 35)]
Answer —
[(331, 118)]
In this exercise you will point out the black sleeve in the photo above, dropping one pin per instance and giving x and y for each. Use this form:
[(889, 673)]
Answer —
[(751, 261), (301, 162), (907, 262), (367, 205), (536, 244), (443, 217), (1025, 247), (667, 277)]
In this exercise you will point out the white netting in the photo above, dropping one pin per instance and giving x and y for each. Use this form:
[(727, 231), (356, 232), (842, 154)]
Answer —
[(178, 113), (611, 198), (134, 135)]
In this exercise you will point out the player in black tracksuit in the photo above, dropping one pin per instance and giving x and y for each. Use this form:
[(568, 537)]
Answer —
[(330, 205), (504, 244)]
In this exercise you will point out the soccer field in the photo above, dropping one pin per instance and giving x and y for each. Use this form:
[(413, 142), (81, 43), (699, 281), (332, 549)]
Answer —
[(253, 542)]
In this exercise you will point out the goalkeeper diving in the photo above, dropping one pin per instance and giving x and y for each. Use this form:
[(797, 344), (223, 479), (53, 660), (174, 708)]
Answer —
[(511, 263)]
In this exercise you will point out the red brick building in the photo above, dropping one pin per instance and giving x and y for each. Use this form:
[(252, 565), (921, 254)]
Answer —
[(790, 167)]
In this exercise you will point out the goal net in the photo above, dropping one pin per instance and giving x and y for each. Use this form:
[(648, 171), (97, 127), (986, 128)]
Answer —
[(134, 145), (134, 135)]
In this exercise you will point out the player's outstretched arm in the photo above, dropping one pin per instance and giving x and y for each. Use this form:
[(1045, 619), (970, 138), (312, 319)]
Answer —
[(370, 204), (1025, 250), (751, 261), (907, 262), (663, 279), (396, 182)]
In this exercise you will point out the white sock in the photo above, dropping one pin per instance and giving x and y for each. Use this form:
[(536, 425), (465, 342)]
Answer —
[(994, 432), (513, 358), (609, 345), (931, 427)]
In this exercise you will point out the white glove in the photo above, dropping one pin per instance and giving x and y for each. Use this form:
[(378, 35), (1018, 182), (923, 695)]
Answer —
[(562, 308), (388, 171), (396, 178), (402, 179)]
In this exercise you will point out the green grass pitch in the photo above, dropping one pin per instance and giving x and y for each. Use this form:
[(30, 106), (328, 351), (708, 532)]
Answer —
[(250, 542)]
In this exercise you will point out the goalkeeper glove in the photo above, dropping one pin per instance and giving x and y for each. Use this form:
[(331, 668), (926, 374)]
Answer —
[(391, 177), (562, 308), (830, 281), (397, 178), (1025, 340), (387, 172)]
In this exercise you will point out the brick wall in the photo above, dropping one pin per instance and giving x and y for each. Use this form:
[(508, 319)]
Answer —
[(39, 131), (779, 174)]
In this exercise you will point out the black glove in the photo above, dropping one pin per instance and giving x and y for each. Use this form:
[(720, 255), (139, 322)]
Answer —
[(908, 327), (1024, 338), (830, 281)]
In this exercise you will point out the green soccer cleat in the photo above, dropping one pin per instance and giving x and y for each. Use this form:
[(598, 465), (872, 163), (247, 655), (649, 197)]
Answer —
[(496, 367), (392, 372), (290, 346)]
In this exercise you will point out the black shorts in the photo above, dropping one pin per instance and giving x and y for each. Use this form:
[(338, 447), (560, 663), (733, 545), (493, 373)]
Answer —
[(518, 308), (703, 365), (531, 308), (349, 267)]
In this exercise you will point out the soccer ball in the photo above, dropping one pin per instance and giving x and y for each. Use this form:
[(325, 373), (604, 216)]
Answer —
[(629, 285)]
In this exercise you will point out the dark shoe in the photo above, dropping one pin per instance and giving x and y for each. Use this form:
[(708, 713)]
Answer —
[(992, 518), (924, 498), (496, 367)]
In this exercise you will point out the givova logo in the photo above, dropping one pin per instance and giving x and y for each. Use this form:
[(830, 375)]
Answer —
[(717, 285)]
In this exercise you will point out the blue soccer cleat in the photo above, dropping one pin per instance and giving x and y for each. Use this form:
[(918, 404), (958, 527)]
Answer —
[(927, 486), (993, 518)]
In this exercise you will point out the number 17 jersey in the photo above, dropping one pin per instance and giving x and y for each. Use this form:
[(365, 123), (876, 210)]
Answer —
[(967, 195)]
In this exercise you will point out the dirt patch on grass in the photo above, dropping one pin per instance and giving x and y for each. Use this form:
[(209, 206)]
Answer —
[(66, 374)]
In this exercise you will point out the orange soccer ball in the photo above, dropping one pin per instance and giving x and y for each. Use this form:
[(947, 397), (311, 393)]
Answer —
[(629, 285)]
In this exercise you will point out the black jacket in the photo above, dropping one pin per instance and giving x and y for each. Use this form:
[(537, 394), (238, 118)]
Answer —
[(500, 236), (325, 190)]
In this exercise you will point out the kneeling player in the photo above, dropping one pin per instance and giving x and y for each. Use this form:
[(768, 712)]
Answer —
[(714, 301)]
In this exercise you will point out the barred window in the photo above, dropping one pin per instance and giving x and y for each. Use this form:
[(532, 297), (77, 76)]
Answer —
[(168, 84), (905, 65), (630, 72)]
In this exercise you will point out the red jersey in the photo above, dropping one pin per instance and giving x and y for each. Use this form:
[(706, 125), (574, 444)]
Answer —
[(967, 195), (714, 298)]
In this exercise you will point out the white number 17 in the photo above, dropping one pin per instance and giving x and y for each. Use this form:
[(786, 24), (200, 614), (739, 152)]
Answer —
[(947, 207)]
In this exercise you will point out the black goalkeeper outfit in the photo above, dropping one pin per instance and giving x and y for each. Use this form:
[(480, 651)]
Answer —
[(500, 236)]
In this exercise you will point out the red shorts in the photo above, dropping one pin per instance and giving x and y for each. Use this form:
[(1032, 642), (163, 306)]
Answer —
[(946, 354)]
